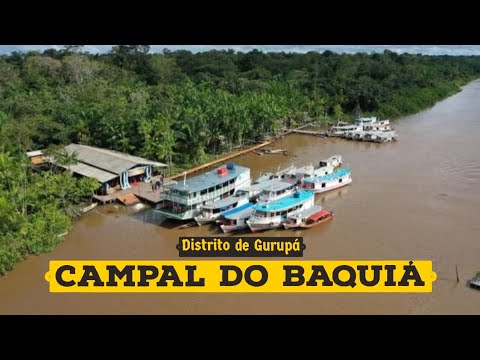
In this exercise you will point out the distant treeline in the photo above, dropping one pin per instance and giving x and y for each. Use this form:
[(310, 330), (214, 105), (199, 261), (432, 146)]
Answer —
[(180, 107)]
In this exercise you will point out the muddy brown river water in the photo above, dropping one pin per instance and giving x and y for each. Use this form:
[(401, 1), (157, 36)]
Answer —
[(417, 198)]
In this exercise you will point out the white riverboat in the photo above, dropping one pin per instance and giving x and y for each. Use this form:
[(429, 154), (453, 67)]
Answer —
[(276, 190), (212, 211), (319, 184), (236, 219), (360, 127), (325, 167), (273, 214), (277, 175), (184, 200), (254, 190)]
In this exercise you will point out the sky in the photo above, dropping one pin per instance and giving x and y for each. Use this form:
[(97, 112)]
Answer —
[(414, 49)]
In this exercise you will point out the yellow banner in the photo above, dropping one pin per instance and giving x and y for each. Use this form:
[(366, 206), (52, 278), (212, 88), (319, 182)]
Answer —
[(302, 276)]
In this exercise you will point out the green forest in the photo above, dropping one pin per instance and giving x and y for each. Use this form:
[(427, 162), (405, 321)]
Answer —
[(181, 108)]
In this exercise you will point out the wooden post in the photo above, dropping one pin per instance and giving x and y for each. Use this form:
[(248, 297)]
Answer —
[(456, 268)]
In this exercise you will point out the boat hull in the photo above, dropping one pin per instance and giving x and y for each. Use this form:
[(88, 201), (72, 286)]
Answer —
[(202, 220), (232, 228), (337, 186), (256, 227)]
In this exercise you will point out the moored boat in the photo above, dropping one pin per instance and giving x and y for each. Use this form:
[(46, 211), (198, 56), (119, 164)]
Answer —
[(212, 211), (475, 282), (328, 182), (276, 190), (184, 200), (236, 219), (308, 218), (254, 190), (273, 214), (275, 175)]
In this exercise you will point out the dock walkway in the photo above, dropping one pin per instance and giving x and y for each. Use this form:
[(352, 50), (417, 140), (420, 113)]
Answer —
[(221, 160), (141, 190)]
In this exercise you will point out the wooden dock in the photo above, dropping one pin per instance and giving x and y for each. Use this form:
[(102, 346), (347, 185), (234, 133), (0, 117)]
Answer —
[(289, 131), (221, 160), (309, 132), (141, 190)]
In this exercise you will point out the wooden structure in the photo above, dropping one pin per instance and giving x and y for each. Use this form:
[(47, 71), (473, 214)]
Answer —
[(110, 168), (37, 157), (221, 160), (128, 199)]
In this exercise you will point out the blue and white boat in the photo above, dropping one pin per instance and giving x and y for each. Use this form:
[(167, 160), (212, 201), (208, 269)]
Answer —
[(184, 200), (319, 184), (276, 190), (273, 214), (253, 191), (212, 211), (236, 219)]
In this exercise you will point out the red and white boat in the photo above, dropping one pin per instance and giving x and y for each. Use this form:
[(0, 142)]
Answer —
[(308, 218)]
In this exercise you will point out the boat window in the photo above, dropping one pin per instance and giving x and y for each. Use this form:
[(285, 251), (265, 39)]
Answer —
[(284, 212), (231, 181), (340, 180), (323, 185), (203, 192), (219, 186), (210, 189)]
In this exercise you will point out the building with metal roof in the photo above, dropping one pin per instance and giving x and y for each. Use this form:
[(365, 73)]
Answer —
[(109, 167)]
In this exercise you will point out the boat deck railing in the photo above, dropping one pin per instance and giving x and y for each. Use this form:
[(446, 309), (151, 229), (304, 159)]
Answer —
[(199, 198)]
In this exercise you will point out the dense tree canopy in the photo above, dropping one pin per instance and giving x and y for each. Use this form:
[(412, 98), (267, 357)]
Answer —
[(181, 108)]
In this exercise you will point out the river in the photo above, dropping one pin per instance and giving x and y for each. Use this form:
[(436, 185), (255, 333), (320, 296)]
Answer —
[(417, 198)]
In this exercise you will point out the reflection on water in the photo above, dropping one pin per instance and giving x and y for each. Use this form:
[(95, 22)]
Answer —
[(417, 198)]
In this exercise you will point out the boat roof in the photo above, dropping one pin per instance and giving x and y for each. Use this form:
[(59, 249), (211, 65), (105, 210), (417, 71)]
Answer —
[(308, 212), (239, 212), (335, 175), (260, 186), (286, 202), (366, 119), (207, 180), (305, 169), (318, 215), (223, 202), (278, 185)]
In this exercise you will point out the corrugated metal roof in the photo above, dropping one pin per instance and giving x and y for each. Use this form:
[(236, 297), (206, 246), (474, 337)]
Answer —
[(224, 202), (34, 153), (259, 187), (286, 202), (278, 186), (108, 160), (239, 212), (90, 171), (333, 176), (208, 179), (306, 213)]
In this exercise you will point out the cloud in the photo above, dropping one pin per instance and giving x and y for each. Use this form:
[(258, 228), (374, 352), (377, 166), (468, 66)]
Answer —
[(412, 49)]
